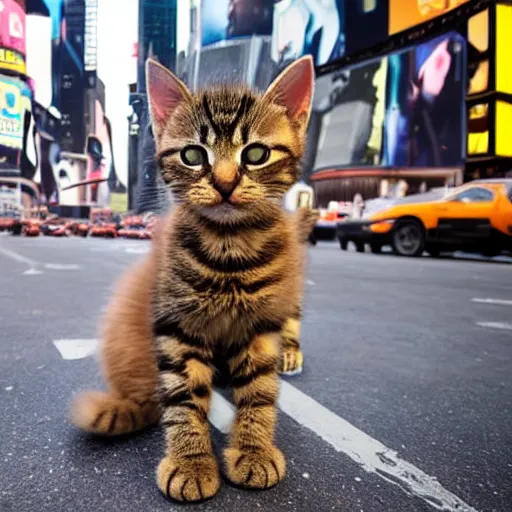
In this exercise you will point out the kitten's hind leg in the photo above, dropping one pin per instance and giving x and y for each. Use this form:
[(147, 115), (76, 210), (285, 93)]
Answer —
[(292, 360), (189, 471), (252, 459)]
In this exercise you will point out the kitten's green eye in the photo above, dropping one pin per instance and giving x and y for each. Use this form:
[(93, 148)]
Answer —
[(255, 154), (194, 155)]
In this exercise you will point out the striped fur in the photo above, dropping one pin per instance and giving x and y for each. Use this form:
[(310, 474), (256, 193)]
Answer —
[(221, 290)]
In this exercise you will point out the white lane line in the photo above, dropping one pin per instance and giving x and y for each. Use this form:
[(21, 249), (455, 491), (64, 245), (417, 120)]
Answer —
[(18, 257), (367, 452), (61, 266), (36, 266), (73, 349), (501, 302), (370, 454), (507, 326)]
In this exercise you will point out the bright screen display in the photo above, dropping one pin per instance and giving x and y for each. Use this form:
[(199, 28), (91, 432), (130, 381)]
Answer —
[(348, 112), (478, 129), (308, 27), (39, 57), (229, 19), (425, 92), (404, 14), (12, 25)]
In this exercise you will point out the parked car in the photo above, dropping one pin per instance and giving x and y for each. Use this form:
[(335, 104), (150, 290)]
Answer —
[(475, 217)]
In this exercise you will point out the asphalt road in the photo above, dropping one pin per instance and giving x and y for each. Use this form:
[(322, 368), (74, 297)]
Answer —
[(405, 403)]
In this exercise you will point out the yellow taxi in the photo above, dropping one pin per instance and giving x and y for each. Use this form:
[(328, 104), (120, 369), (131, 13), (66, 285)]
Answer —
[(475, 217)]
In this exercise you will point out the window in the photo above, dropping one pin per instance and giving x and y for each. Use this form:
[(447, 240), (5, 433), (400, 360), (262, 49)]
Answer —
[(475, 195)]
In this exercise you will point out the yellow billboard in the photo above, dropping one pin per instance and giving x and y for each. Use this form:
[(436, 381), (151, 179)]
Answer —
[(404, 14), (502, 129), (12, 60), (503, 46)]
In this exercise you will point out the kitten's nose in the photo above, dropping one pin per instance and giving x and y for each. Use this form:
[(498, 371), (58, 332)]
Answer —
[(225, 178), (225, 188)]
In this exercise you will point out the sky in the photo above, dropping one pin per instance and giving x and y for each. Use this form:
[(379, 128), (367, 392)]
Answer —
[(117, 68)]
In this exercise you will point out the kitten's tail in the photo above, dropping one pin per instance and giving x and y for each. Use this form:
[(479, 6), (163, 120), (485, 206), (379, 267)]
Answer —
[(104, 414)]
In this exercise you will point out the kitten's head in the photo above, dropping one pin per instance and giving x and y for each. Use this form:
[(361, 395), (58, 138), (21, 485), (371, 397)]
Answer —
[(229, 151)]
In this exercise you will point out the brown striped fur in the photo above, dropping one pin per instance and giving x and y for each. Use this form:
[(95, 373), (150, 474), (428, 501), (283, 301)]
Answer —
[(219, 296)]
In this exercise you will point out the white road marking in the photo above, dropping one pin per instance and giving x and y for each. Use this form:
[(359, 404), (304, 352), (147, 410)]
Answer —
[(370, 454), (62, 266), (222, 413), (309, 282), (496, 325), (18, 257), (32, 272), (137, 250), (501, 302), (72, 349), (35, 266)]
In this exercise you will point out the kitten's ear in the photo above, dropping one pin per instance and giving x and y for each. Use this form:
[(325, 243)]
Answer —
[(293, 89), (165, 92)]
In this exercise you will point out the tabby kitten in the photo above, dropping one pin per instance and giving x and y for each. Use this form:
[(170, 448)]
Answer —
[(222, 285)]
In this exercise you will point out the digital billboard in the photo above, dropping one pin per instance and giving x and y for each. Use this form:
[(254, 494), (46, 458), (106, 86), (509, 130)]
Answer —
[(347, 117), (366, 24), (478, 129), (503, 45), (229, 19), (478, 39), (425, 91), (14, 96), (39, 57), (12, 25), (404, 14), (308, 27)]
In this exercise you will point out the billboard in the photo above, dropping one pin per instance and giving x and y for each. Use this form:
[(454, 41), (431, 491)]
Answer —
[(304, 27), (366, 24), (478, 39), (229, 19), (404, 14), (425, 91), (12, 25), (14, 97), (347, 117)]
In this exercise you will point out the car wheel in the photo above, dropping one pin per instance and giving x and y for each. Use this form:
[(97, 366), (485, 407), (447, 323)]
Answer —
[(408, 238), (343, 244), (360, 247), (376, 248), (17, 229)]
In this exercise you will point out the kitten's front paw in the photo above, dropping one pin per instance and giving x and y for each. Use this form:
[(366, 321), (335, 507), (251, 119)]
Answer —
[(255, 469), (291, 362), (194, 479)]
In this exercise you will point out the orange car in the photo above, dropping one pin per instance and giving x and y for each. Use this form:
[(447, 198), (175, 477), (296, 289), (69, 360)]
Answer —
[(475, 217)]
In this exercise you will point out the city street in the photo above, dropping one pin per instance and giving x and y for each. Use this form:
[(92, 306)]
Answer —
[(405, 403)]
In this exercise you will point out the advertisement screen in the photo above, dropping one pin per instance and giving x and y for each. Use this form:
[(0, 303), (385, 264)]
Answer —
[(12, 25), (503, 45), (478, 129), (11, 112), (229, 19), (39, 57), (425, 93), (348, 112), (308, 27), (366, 24), (404, 14)]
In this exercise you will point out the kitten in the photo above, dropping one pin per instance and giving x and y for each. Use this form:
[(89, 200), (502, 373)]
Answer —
[(219, 295)]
